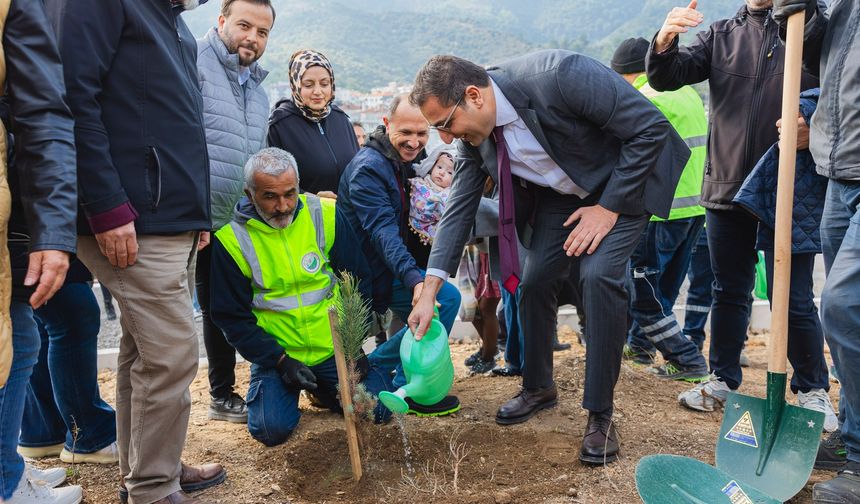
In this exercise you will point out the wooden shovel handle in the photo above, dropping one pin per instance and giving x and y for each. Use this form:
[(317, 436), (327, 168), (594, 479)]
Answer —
[(778, 345)]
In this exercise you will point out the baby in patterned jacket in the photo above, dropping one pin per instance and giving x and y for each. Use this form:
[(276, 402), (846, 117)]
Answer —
[(429, 192)]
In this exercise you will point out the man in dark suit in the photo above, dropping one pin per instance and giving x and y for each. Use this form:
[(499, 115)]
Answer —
[(575, 148)]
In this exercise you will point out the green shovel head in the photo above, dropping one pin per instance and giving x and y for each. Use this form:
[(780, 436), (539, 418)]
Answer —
[(671, 479), (767, 443)]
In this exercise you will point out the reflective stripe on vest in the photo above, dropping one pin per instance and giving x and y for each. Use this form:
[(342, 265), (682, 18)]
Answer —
[(288, 302), (689, 201), (315, 208), (696, 141), (686, 201)]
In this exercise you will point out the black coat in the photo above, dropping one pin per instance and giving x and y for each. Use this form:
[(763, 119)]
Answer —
[(41, 151), (131, 77), (322, 150), (742, 59)]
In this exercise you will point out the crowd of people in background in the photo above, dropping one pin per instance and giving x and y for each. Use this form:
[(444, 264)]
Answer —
[(158, 164)]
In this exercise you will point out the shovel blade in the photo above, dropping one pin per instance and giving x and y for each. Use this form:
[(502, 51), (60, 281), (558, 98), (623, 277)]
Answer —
[(671, 479), (771, 451)]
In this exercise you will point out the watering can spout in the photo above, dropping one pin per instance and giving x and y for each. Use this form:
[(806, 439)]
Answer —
[(396, 401)]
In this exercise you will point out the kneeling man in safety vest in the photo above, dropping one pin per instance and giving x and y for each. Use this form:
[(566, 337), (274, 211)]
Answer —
[(272, 285)]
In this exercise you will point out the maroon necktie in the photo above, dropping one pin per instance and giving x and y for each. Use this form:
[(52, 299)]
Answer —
[(508, 253)]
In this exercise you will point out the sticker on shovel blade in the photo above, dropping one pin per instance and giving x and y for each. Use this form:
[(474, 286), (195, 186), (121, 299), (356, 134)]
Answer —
[(743, 432), (736, 494)]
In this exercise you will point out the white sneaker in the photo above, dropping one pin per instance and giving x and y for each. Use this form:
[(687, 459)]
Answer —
[(28, 493), (819, 400), (50, 477), (706, 396), (107, 455), (35, 452)]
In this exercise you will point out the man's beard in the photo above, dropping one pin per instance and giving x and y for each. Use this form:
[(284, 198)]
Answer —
[(278, 220), (233, 48)]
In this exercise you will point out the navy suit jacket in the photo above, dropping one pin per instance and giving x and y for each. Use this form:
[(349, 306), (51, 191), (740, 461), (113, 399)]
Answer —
[(606, 136)]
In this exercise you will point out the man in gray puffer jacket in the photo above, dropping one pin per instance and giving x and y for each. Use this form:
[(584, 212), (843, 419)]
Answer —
[(235, 112), (832, 49)]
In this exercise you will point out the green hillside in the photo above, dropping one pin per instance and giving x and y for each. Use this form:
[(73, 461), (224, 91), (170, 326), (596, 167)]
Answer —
[(372, 42)]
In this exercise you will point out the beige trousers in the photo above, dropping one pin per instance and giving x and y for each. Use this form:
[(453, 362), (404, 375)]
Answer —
[(157, 358)]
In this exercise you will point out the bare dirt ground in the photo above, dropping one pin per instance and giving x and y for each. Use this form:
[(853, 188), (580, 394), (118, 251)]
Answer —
[(527, 463)]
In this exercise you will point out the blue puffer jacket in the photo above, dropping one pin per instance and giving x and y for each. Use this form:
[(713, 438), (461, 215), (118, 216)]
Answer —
[(373, 196), (758, 194)]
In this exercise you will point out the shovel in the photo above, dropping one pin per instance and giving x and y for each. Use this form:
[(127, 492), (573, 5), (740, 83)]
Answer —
[(766, 447)]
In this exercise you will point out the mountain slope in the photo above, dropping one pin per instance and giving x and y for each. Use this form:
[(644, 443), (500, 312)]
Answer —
[(371, 43)]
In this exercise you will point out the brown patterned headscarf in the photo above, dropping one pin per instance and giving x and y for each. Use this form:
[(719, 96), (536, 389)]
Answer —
[(300, 61)]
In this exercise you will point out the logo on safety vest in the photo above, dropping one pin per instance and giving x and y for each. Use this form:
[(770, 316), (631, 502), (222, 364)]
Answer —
[(311, 262)]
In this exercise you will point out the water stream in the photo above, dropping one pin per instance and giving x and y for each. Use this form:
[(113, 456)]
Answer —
[(407, 449)]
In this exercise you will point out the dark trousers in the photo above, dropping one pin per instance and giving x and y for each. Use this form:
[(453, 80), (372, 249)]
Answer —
[(273, 408), (732, 243), (658, 268), (220, 354), (602, 284), (699, 296), (805, 337)]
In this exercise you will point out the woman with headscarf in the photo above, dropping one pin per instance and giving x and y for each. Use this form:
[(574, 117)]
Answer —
[(311, 127)]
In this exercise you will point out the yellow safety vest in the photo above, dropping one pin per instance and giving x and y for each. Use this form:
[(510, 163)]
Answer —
[(290, 275), (686, 113)]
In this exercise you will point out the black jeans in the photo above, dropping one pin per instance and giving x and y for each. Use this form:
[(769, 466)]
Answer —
[(220, 354), (732, 244)]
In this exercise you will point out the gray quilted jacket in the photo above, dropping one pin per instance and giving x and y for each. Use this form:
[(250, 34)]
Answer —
[(236, 119), (832, 48)]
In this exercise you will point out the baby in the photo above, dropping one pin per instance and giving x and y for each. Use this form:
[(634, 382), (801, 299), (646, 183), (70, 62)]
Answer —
[(430, 192)]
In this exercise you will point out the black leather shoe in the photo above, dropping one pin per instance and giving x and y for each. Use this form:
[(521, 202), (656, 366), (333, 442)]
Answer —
[(558, 346), (525, 404), (228, 409), (506, 371), (600, 443)]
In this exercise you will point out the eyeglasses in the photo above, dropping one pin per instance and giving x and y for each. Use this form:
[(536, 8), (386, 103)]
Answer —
[(446, 124)]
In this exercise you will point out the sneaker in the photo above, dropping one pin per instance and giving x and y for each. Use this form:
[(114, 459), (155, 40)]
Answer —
[(482, 367), (229, 409), (50, 477), (832, 455), (843, 489), (744, 360), (706, 396), (107, 455), (446, 406), (472, 359), (819, 400), (672, 371), (37, 452), (28, 493), (637, 356)]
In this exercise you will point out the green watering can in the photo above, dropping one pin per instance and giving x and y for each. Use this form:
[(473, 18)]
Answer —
[(428, 368), (766, 447)]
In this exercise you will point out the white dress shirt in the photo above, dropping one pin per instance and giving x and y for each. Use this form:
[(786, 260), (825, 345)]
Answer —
[(528, 159)]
